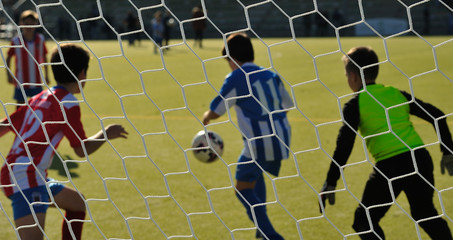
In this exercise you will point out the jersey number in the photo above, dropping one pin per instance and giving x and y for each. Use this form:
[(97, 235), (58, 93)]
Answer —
[(258, 85)]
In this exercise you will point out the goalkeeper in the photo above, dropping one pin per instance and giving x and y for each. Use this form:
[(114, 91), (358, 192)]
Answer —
[(262, 119), (397, 153)]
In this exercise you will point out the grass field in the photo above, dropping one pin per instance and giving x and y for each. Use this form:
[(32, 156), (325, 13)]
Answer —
[(151, 187)]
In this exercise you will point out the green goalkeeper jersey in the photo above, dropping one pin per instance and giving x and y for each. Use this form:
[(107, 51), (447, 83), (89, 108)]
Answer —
[(384, 138), (385, 123)]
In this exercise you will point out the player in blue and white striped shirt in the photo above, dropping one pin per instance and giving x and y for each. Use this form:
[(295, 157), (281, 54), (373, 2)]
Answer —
[(261, 102)]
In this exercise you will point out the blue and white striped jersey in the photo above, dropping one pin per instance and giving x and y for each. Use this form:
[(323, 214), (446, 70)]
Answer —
[(260, 112)]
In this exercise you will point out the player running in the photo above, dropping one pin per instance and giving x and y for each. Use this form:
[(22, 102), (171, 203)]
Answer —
[(265, 129), (39, 127)]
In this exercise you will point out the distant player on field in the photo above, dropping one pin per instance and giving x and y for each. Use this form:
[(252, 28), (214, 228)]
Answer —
[(28, 51), (39, 128), (397, 153), (158, 29), (262, 119)]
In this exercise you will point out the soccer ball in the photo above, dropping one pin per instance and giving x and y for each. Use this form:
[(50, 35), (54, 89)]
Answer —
[(204, 151), (171, 22)]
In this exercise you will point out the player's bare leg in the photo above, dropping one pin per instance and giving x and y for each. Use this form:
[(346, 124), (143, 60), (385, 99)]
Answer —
[(28, 227), (71, 201)]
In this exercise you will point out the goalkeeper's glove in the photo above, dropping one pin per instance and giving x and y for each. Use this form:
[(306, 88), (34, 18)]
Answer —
[(326, 193), (447, 162)]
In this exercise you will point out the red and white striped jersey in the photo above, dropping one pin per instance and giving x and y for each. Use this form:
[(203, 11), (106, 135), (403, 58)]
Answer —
[(39, 130), (28, 56)]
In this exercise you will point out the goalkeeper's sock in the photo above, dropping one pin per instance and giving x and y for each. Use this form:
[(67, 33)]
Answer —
[(76, 226), (262, 219)]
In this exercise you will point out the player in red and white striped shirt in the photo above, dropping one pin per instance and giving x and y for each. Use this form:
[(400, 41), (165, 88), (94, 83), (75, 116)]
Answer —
[(29, 50), (39, 127)]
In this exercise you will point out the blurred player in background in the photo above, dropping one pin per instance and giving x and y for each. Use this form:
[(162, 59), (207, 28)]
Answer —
[(399, 153), (169, 23), (132, 24), (198, 26), (29, 50), (158, 28), (263, 122), (39, 129)]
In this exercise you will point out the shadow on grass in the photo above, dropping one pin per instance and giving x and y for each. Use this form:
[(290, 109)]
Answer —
[(57, 164)]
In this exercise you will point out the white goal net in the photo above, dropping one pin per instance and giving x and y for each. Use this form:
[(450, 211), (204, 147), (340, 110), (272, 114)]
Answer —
[(158, 80)]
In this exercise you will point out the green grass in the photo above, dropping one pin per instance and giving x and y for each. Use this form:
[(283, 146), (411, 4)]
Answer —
[(151, 187)]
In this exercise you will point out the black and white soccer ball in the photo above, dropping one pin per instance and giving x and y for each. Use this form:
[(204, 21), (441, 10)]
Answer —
[(207, 149), (171, 22)]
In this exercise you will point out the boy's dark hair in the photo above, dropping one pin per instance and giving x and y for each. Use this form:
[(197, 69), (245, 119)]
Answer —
[(240, 47), (363, 57), (28, 14), (75, 60)]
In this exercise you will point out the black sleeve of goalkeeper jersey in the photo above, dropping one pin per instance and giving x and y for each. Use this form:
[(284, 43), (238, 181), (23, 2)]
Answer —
[(345, 140), (429, 113)]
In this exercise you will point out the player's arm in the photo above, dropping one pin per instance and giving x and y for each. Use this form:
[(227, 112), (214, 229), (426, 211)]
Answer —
[(345, 143), (430, 113), (4, 130), (4, 127), (16, 120), (216, 109), (287, 101), (75, 133), (345, 140), (208, 116), (219, 104), (94, 142)]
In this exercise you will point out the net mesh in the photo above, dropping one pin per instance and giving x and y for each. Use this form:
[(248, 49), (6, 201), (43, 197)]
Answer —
[(151, 187)]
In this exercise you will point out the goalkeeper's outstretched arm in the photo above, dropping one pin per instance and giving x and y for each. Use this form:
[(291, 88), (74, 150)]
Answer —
[(345, 143), (432, 114)]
